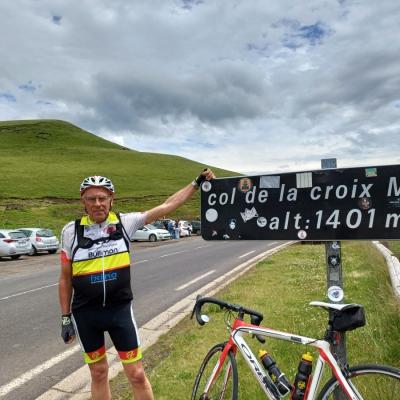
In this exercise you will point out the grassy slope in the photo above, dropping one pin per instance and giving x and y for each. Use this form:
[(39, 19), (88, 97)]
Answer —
[(44, 161)]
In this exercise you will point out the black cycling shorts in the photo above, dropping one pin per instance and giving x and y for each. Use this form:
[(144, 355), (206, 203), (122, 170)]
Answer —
[(118, 321)]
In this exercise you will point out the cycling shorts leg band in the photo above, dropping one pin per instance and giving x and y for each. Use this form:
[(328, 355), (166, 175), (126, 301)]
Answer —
[(94, 356), (128, 357)]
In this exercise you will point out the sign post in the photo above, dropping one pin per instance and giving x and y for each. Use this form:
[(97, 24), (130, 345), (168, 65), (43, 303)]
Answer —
[(335, 289)]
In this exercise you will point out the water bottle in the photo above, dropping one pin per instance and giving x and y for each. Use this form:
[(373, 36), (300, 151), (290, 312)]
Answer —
[(302, 377), (279, 378)]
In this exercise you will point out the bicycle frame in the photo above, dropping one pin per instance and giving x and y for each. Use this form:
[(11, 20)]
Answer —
[(237, 342)]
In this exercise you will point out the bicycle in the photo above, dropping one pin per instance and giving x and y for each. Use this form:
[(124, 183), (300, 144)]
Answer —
[(218, 374)]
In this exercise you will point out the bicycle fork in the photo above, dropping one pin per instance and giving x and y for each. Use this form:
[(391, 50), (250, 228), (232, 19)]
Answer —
[(219, 365)]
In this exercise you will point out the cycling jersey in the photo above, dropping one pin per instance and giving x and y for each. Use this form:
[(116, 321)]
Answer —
[(101, 264)]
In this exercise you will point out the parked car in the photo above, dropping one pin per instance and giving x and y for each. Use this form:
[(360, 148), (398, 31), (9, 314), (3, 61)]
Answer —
[(196, 226), (42, 240), (13, 244), (184, 228), (151, 233)]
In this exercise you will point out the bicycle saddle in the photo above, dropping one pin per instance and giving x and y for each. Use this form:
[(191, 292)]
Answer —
[(333, 306)]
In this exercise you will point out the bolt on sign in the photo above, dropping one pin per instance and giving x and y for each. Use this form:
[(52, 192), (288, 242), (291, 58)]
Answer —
[(326, 204)]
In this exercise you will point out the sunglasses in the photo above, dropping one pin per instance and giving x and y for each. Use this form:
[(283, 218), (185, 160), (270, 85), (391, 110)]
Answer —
[(93, 199)]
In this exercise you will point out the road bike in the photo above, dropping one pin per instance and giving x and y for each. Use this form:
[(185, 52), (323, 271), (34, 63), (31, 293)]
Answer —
[(217, 378)]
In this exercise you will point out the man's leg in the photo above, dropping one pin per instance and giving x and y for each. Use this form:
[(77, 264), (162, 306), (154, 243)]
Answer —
[(100, 386), (141, 387)]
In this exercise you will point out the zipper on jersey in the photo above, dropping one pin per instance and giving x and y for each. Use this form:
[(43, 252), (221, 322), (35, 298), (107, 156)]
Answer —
[(104, 282)]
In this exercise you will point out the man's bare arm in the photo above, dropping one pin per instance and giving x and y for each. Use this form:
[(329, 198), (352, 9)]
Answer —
[(176, 200)]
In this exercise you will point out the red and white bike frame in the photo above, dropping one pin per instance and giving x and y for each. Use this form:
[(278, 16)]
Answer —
[(237, 342)]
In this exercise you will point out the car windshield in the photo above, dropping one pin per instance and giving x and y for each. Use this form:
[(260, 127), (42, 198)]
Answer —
[(16, 235), (45, 233), (151, 227)]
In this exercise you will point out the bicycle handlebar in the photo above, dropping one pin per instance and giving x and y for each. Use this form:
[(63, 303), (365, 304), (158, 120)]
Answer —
[(255, 316)]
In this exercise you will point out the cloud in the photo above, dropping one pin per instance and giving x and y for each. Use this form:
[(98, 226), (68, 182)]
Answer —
[(57, 19), (27, 87), (8, 97), (247, 86)]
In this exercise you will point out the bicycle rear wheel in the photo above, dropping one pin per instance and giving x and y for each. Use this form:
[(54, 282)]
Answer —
[(224, 384), (371, 382)]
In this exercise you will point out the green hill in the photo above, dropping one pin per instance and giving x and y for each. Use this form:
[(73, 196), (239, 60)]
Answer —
[(44, 161)]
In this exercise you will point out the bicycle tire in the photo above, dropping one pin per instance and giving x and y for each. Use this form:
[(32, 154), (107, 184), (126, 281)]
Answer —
[(225, 385), (372, 382)]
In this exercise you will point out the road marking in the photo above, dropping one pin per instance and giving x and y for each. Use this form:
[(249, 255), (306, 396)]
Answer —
[(172, 254), (271, 244), (139, 262), (202, 247), (195, 280), (28, 291), (27, 376), (244, 255)]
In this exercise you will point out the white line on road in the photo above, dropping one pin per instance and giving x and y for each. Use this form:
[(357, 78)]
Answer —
[(244, 255), (28, 291), (139, 262), (172, 254), (195, 280), (271, 244), (27, 376), (202, 247)]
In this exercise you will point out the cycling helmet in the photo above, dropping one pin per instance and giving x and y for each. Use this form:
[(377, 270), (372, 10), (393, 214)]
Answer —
[(100, 181)]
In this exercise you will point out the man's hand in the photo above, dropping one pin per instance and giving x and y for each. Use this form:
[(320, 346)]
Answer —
[(206, 175), (67, 329)]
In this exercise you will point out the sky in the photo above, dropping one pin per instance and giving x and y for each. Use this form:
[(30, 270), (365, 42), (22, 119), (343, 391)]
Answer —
[(249, 86)]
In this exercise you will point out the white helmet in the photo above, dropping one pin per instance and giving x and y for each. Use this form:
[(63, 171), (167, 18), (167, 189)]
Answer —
[(99, 181)]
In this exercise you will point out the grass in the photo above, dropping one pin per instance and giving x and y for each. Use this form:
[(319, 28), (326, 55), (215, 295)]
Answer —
[(44, 161), (281, 288)]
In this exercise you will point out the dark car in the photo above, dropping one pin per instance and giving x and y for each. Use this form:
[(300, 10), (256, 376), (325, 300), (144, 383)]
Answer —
[(161, 223), (196, 225)]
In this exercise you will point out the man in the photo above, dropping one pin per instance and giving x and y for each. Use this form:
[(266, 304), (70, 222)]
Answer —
[(95, 275)]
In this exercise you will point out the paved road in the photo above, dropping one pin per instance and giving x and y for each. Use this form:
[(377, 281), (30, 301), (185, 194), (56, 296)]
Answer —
[(33, 355)]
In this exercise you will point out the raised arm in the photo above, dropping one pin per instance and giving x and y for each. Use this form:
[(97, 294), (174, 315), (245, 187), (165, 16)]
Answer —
[(179, 198)]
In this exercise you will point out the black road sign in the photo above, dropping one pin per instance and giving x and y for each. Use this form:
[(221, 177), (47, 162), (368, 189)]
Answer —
[(330, 204)]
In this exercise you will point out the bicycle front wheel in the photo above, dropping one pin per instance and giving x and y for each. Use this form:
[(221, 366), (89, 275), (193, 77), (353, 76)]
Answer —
[(215, 381), (370, 382)]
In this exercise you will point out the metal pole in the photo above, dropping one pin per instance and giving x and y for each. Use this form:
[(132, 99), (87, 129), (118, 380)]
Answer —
[(335, 289)]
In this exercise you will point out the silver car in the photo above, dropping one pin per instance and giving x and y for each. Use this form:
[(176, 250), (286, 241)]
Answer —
[(13, 244), (151, 233), (42, 240)]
